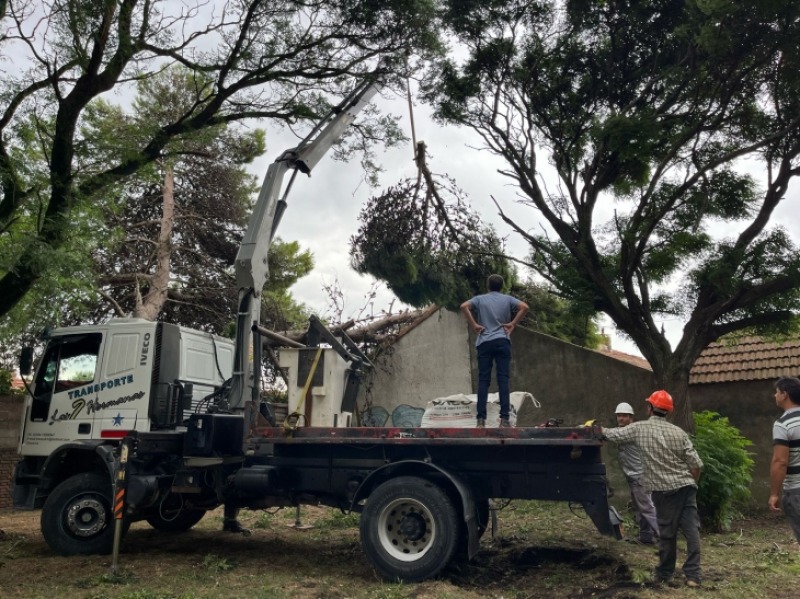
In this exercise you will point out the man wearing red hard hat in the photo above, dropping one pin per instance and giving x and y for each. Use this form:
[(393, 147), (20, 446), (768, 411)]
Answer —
[(671, 471)]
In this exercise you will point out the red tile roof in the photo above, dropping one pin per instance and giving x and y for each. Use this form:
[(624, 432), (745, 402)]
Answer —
[(746, 359), (618, 355)]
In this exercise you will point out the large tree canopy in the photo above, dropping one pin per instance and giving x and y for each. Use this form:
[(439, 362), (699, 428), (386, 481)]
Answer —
[(625, 125), (259, 59)]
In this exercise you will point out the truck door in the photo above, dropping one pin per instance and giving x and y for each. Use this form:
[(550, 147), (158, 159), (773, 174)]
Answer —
[(58, 411)]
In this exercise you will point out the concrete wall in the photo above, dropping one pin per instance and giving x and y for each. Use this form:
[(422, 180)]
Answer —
[(430, 361), (438, 358), (10, 413), (572, 383)]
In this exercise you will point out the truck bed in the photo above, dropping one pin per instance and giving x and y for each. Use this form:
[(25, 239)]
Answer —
[(548, 463)]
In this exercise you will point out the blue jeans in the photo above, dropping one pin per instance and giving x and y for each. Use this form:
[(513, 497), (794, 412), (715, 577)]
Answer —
[(497, 351)]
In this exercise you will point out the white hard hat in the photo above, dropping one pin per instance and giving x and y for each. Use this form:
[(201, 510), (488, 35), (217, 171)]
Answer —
[(624, 408)]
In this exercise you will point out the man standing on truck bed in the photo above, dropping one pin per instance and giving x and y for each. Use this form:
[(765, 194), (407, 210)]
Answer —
[(494, 324), (671, 471)]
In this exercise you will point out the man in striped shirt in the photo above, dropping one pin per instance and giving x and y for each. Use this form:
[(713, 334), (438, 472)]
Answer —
[(784, 473), (671, 471)]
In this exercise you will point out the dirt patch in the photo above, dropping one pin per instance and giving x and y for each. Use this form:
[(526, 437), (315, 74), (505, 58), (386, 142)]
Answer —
[(541, 552)]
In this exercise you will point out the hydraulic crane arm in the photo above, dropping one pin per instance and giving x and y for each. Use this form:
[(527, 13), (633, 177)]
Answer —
[(251, 261)]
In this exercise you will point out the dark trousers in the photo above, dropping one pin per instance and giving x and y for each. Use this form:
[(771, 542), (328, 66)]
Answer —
[(677, 510), (791, 507), (497, 351)]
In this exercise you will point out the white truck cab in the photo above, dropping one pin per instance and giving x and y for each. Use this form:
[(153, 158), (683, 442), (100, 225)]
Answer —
[(96, 383)]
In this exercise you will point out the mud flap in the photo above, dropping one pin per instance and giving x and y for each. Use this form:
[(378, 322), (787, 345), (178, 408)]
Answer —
[(616, 523), (605, 518)]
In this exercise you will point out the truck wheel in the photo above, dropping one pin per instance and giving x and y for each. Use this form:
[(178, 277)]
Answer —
[(180, 523), (409, 529), (77, 518)]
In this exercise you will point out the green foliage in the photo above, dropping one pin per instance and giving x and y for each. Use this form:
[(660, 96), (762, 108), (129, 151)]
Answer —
[(253, 60), (727, 470), (216, 564), (212, 197), (338, 520), (557, 317), (5, 381), (288, 263), (426, 249)]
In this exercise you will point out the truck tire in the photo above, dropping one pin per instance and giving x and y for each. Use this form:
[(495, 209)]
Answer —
[(180, 523), (409, 529), (77, 517)]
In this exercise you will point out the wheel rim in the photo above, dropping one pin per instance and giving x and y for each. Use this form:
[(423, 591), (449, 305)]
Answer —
[(406, 529), (86, 516)]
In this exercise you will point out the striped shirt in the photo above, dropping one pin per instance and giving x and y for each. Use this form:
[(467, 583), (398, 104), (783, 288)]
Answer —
[(667, 452), (786, 431)]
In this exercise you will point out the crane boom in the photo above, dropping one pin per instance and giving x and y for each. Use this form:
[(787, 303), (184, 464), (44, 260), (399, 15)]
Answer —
[(251, 265)]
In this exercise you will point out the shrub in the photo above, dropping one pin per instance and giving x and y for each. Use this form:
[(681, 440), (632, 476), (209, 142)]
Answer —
[(727, 470), (5, 381)]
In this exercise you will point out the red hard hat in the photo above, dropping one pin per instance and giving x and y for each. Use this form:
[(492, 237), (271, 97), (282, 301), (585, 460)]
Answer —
[(661, 400)]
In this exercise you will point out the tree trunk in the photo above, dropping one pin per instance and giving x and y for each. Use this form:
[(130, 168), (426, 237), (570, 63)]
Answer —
[(675, 380), (153, 302)]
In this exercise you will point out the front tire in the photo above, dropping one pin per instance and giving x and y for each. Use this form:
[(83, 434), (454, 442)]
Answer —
[(77, 517), (409, 529)]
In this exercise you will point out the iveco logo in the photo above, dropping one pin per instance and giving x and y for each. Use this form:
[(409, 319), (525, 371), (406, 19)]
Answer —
[(145, 349)]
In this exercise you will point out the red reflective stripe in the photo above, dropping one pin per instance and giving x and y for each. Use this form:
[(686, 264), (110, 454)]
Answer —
[(113, 434)]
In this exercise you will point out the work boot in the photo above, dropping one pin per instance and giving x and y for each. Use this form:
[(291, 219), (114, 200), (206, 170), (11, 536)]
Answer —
[(235, 527), (647, 540), (669, 582), (504, 423), (481, 423)]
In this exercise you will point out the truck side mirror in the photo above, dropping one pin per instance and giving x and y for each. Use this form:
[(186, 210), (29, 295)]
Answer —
[(26, 361)]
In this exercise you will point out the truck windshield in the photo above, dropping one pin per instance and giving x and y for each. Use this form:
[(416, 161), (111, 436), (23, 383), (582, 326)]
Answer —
[(68, 362)]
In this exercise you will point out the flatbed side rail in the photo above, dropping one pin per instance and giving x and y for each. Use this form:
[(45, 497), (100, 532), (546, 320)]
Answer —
[(429, 436)]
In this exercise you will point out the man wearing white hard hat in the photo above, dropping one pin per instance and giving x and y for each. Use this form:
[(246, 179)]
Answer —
[(630, 460)]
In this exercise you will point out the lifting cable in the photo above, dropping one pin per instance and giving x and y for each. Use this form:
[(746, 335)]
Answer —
[(432, 195)]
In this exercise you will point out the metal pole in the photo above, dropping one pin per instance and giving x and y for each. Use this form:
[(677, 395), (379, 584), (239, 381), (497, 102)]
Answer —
[(120, 488)]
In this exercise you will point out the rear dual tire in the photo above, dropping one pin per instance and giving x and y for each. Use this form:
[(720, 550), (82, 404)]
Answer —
[(409, 529)]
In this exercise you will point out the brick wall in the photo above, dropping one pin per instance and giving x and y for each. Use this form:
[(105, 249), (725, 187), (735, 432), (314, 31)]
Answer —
[(10, 411)]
